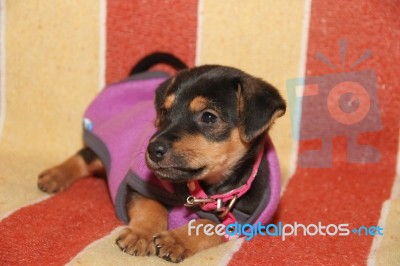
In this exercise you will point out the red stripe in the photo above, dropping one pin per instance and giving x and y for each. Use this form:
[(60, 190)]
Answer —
[(345, 193), (137, 28), (55, 230)]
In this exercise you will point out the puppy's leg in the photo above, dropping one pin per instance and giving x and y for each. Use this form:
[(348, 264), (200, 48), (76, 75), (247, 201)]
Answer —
[(147, 217), (60, 177), (176, 245)]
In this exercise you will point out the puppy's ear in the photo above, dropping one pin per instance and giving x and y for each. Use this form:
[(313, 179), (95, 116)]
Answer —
[(259, 105)]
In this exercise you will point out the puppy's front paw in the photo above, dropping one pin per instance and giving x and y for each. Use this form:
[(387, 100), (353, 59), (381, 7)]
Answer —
[(171, 246), (54, 180), (136, 243)]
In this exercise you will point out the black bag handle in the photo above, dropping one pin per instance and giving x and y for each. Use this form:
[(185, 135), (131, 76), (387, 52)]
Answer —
[(158, 58)]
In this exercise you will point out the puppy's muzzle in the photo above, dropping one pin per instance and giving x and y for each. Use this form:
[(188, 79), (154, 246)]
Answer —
[(157, 150)]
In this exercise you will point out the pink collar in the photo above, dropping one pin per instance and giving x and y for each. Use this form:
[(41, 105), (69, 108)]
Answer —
[(221, 202)]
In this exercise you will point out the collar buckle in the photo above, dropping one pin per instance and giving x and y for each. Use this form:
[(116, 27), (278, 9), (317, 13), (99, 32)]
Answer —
[(193, 201), (220, 206)]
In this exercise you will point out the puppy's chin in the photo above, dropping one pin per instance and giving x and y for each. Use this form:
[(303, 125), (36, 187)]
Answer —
[(176, 174)]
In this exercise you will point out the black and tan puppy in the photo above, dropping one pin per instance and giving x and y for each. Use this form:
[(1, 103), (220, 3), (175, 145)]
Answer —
[(212, 122)]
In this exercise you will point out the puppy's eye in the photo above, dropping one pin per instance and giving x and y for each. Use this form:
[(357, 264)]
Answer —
[(208, 118)]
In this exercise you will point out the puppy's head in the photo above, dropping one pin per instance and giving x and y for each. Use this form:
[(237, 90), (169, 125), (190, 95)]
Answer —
[(208, 118)]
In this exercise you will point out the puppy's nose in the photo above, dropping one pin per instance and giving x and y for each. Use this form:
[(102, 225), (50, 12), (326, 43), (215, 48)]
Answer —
[(157, 150)]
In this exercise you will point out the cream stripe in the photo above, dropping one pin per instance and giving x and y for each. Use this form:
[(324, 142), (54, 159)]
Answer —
[(51, 67), (81, 259), (200, 10), (2, 66), (102, 43), (302, 73), (229, 254), (104, 252)]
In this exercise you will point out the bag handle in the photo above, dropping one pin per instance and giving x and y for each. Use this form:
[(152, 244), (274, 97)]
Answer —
[(153, 59)]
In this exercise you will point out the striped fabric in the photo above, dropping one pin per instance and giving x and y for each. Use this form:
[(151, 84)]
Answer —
[(330, 59)]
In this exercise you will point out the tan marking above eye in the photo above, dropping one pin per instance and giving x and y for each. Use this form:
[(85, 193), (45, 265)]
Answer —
[(198, 103), (169, 101), (170, 86)]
